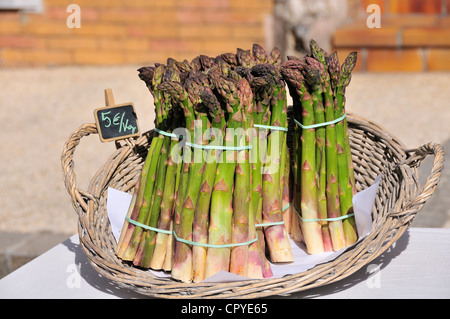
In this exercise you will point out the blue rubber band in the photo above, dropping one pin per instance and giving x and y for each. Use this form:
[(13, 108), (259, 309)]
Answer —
[(206, 147), (166, 133), (286, 207), (307, 127), (273, 128), (190, 242), (168, 232), (269, 224), (331, 219), (274, 223)]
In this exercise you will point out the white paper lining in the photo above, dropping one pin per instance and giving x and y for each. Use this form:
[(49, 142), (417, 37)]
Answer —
[(363, 202)]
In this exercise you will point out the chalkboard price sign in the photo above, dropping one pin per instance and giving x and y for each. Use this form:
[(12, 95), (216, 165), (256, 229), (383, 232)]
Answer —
[(116, 122)]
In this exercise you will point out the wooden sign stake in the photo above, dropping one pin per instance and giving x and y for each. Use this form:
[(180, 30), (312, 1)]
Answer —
[(109, 98)]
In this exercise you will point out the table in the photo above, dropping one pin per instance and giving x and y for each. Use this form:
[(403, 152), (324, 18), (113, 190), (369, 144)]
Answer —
[(416, 266)]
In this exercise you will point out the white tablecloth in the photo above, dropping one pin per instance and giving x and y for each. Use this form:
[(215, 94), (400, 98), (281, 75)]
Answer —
[(416, 266)]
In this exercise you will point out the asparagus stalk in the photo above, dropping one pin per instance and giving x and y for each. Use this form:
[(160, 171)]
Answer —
[(344, 167), (340, 78), (284, 176), (258, 265), (255, 260), (201, 218), (245, 58), (261, 117), (162, 239), (165, 222), (126, 223), (181, 190), (276, 236), (168, 261), (146, 74), (259, 54), (286, 200), (242, 195), (142, 207), (312, 76), (195, 64), (180, 95), (283, 164), (222, 67), (229, 58), (184, 174), (145, 252), (221, 210), (182, 264), (207, 62), (262, 94), (296, 232), (128, 228), (333, 203), (311, 230), (309, 205), (274, 57), (329, 68)]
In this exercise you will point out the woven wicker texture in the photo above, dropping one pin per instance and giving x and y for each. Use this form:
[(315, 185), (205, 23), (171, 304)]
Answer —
[(374, 152)]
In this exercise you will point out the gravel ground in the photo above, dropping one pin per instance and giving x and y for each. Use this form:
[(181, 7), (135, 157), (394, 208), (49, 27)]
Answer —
[(41, 107)]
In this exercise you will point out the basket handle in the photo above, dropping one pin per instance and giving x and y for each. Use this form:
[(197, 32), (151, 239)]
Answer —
[(416, 157), (78, 196)]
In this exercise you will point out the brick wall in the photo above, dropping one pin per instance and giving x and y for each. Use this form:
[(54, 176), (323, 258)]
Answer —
[(414, 36), (131, 32)]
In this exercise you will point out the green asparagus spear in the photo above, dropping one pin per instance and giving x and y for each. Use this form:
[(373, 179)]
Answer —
[(144, 253), (333, 203), (346, 178), (312, 75), (189, 98), (144, 256), (311, 230), (242, 195), (133, 237), (276, 235), (262, 93), (291, 83), (201, 217), (221, 210)]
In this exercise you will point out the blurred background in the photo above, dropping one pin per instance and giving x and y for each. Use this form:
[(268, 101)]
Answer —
[(413, 35), (57, 57)]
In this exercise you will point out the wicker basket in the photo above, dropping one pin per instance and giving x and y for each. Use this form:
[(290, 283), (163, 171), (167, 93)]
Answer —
[(375, 152)]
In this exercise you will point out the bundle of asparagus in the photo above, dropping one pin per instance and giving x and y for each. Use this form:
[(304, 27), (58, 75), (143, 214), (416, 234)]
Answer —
[(199, 209), (323, 171)]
